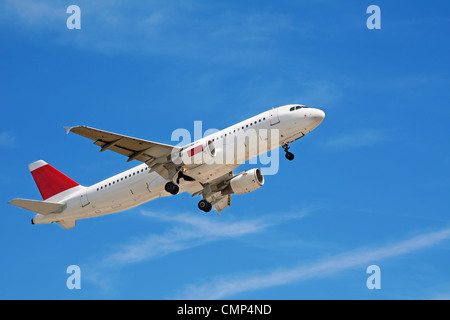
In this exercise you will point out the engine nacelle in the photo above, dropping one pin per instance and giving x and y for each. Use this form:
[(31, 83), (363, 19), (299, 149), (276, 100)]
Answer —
[(199, 153), (244, 182)]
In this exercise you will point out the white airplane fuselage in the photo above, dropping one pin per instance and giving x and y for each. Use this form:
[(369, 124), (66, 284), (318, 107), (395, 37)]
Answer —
[(140, 184)]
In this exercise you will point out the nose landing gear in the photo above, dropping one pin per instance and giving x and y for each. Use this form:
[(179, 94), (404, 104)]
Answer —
[(288, 155)]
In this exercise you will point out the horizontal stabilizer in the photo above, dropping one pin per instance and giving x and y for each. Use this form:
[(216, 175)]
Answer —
[(41, 207)]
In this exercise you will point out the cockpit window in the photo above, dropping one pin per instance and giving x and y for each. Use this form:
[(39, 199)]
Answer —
[(297, 107)]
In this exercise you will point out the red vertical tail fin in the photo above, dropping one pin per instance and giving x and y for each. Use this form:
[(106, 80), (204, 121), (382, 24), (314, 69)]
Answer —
[(50, 181)]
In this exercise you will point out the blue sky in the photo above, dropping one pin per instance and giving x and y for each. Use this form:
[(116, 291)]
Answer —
[(368, 187)]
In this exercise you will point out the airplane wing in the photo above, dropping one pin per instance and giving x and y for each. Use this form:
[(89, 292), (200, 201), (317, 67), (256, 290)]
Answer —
[(133, 148), (154, 154), (158, 157)]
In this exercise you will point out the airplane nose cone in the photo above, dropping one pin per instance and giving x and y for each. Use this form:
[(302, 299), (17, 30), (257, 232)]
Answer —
[(313, 118), (317, 116)]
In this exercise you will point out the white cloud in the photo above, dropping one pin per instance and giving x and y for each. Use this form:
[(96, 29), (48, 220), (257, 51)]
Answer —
[(193, 232), (362, 138), (7, 139), (189, 231), (34, 14), (227, 286), (320, 93), (441, 296), (195, 30)]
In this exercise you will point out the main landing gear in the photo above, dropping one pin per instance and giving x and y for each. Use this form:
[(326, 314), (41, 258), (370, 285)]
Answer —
[(288, 155), (171, 187), (204, 205)]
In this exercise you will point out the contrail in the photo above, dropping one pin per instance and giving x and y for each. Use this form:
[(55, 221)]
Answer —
[(227, 286)]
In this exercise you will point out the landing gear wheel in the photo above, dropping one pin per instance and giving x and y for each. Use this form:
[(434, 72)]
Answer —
[(171, 188), (289, 156), (205, 206)]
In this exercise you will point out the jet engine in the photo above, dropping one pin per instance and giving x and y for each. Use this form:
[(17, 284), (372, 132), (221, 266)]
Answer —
[(244, 182), (198, 153)]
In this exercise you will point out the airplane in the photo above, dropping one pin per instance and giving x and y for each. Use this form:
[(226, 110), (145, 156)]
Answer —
[(168, 170)]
